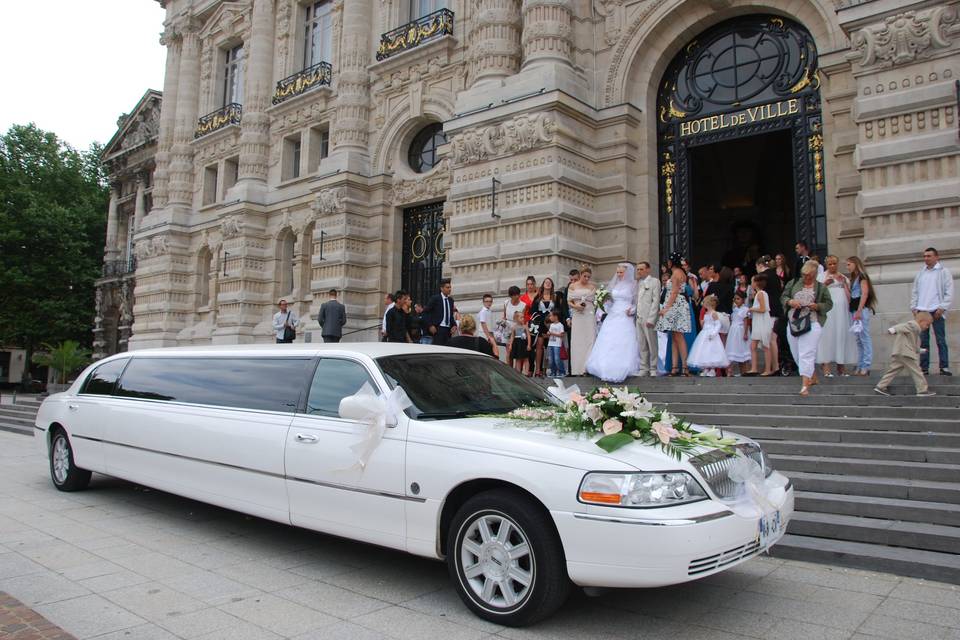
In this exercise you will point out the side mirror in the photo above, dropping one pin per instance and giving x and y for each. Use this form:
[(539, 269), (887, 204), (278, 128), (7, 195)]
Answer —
[(365, 406)]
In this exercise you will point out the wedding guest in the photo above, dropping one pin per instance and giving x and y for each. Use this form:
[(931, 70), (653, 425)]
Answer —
[(802, 250), (583, 323), (778, 337), (511, 308), (743, 288), (574, 277), (806, 297), (761, 327), (546, 301), (440, 313), (836, 342), (485, 323), (738, 338), (416, 324), (467, 339), (906, 352), (388, 302), (528, 296), (520, 345), (648, 310), (676, 319), (708, 353), (722, 286), (933, 292), (555, 336), (863, 301), (397, 318)]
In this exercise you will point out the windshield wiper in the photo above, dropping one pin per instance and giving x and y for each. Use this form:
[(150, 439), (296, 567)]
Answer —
[(439, 415)]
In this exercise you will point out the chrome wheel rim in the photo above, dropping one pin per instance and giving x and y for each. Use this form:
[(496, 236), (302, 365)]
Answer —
[(61, 460), (496, 561)]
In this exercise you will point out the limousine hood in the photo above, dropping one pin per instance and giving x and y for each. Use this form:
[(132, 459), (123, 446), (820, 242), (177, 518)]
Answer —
[(538, 443)]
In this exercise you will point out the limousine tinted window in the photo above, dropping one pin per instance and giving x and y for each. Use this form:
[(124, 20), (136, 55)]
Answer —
[(268, 384), (334, 380), (103, 379)]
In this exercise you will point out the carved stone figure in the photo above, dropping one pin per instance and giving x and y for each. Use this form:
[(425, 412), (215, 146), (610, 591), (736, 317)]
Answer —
[(906, 36), (231, 226), (521, 133), (329, 201)]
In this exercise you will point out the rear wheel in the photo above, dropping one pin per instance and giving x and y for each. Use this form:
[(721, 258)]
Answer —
[(65, 474), (506, 559)]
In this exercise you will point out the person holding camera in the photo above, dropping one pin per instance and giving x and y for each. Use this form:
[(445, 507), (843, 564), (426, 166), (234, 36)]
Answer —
[(285, 323)]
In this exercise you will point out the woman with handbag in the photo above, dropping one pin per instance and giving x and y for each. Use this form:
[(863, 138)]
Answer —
[(862, 303), (809, 303)]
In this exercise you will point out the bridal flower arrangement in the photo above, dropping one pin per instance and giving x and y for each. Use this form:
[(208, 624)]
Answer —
[(600, 297), (621, 416)]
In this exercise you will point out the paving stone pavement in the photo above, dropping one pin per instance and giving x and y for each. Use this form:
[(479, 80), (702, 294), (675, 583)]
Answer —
[(120, 562)]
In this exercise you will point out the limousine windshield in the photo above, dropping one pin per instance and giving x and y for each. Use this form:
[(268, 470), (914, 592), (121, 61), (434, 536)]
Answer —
[(447, 385)]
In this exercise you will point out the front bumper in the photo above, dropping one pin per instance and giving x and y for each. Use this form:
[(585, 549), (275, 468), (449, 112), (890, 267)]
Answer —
[(632, 548)]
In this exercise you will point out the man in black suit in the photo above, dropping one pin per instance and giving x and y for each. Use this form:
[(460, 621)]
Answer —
[(332, 317), (438, 314)]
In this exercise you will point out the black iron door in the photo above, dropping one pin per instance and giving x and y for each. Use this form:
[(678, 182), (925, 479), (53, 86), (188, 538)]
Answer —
[(423, 251), (747, 76)]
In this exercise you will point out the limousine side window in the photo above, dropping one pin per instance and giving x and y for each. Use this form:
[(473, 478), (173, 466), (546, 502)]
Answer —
[(103, 379), (266, 384), (334, 380)]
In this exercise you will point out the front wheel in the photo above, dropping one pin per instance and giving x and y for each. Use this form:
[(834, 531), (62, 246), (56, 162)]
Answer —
[(506, 559), (65, 474)]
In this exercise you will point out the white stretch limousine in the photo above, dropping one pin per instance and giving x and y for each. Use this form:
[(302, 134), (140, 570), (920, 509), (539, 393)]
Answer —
[(321, 437)]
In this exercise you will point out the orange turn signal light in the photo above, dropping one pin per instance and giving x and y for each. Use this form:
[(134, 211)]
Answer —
[(605, 498)]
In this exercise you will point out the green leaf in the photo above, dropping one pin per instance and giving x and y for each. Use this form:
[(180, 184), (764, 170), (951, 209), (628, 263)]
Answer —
[(614, 441)]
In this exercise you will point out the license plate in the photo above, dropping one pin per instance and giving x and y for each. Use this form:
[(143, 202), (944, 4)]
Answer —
[(770, 528)]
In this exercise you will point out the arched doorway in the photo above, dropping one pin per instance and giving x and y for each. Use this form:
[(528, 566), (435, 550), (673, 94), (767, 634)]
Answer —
[(740, 144)]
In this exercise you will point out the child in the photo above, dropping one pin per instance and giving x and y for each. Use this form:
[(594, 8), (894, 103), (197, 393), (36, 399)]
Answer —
[(707, 352), (761, 327), (738, 339), (520, 344), (555, 335), (906, 354)]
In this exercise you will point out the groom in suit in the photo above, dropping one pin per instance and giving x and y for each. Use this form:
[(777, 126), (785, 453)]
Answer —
[(648, 309), (439, 313)]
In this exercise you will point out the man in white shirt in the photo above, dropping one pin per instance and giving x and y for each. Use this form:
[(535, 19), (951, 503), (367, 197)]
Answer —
[(648, 308), (388, 304), (485, 323), (285, 323), (933, 292)]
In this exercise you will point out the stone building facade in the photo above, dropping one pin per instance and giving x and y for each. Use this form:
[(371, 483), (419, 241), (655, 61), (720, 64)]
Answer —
[(367, 145)]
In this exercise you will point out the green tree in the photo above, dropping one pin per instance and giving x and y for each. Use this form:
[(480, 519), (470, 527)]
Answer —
[(65, 358), (53, 200)]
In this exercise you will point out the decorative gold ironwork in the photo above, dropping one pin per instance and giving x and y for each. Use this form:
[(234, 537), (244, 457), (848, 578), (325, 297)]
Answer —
[(418, 247), (433, 25), (816, 146), (668, 170), (225, 116), (318, 75), (671, 110)]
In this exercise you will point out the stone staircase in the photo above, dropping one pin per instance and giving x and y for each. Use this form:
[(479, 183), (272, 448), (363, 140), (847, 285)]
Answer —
[(877, 478), (18, 416)]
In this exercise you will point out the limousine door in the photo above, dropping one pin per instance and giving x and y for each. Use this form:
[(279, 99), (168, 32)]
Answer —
[(328, 491)]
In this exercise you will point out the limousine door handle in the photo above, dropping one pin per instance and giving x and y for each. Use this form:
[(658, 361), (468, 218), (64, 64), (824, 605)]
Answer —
[(72, 407), (306, 437)]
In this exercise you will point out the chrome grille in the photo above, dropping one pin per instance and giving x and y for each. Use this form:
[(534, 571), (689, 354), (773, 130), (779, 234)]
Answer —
[(714, 466), (718, 560)]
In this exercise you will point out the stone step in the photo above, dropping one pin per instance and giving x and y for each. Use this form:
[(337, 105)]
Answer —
[(895, 438), (732, 421), (885, 508), (863, 451), (877, 487), (16, 428), (779, 398), (20, 419), (929, 565), (18, 409), (893, 533), (876, 468), (827, 411)]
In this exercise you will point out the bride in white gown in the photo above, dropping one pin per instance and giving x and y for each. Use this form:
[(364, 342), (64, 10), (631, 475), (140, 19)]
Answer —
[(616, 353)]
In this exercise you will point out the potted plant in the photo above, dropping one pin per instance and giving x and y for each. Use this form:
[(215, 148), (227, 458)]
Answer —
[(65, 359)]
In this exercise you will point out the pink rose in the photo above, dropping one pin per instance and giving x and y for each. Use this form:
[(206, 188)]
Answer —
[(575, 398), (611, 426), (665, 432)]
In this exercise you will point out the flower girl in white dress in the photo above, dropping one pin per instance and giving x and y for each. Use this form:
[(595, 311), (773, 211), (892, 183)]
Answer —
[(708, 353), (738, 338)]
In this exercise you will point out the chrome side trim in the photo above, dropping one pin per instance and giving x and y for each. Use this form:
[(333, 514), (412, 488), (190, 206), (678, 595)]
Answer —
[(270, 474), (649, 522)]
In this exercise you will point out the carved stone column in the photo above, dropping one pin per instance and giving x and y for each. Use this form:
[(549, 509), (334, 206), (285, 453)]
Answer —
[(188, 85), (168, 110), (139, 204), (351, 131), (255, 124), (110, 248), (547, 32), (495, 40)]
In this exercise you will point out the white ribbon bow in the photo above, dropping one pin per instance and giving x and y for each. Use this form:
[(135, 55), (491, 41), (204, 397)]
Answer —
[(378, 409), (748, 472), (562, 392)]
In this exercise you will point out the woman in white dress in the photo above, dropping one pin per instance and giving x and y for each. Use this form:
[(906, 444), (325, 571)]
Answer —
[(837, 344), (761, 327), (583, 322), (708, 353), (616, 352)]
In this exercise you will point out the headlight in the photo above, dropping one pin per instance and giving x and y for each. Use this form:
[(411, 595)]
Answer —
[(640, 489)]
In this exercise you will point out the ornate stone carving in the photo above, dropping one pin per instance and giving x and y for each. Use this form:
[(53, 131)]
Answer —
[(231, 226), (522, 133), (435, 185), (495, 39), (906, 36), (155, 246), (144, 128), (329, 201), (613, 14)]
